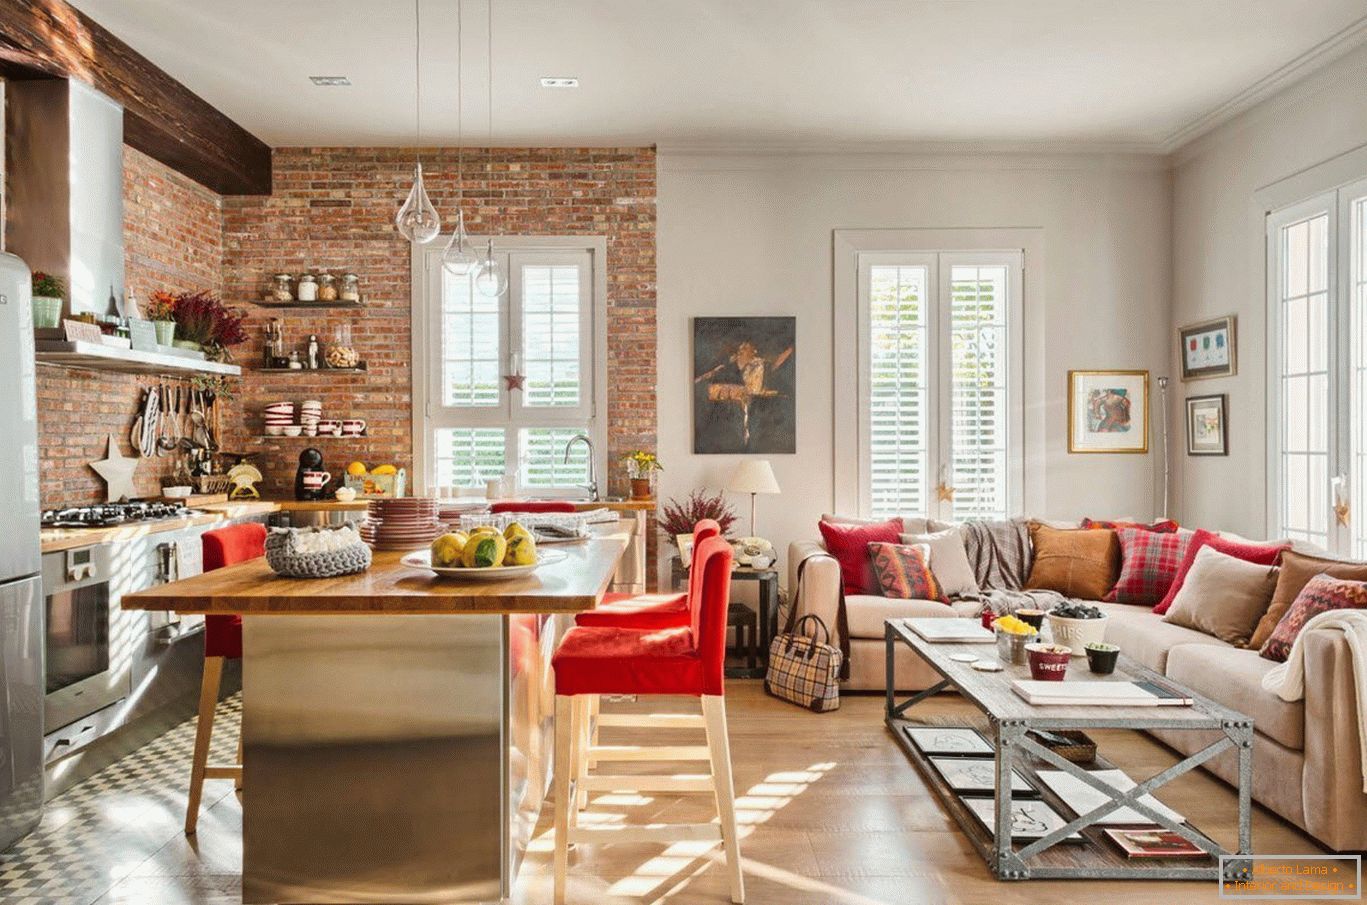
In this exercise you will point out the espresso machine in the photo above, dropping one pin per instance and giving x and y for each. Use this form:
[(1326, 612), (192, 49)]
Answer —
[(311, 480)]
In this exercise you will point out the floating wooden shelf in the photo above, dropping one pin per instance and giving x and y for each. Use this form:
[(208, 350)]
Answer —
[(99, 357), (338, 303), (318, 437), (357, 370)]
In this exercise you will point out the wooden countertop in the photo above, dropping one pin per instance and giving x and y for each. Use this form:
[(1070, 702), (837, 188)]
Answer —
[(361, 504), (55, 539), (572, 585)]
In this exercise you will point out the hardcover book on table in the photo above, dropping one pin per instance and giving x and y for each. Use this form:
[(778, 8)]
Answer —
[(950, 630), (1154, 843)]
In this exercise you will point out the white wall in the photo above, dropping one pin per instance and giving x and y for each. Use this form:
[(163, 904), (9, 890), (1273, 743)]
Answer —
[(752, 234), (1218, 267)]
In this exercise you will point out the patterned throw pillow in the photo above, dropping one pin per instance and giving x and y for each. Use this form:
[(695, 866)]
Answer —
[(1149, 561), (903, 572), (1248, 551), (1163, 526), (1322, 594)]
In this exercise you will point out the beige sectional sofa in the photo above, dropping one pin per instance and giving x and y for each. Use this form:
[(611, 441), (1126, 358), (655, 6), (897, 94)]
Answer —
[(1306, 760)]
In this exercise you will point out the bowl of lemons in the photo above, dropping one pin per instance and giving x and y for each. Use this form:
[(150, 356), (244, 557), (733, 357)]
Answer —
[(483, 554)]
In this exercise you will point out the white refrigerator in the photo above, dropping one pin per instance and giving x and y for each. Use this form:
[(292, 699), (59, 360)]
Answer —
[(21, 597)]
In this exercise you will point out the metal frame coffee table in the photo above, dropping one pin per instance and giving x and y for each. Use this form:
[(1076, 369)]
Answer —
[(1012, 717)]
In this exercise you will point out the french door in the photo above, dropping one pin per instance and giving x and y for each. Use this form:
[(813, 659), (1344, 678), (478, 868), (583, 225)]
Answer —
[(1317, 295), (939, 383)]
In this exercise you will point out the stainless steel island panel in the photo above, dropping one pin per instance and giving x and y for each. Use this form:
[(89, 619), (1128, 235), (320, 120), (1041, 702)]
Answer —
[(377, 754)]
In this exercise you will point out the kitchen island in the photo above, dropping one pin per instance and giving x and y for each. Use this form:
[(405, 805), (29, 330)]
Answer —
[(396, 726)]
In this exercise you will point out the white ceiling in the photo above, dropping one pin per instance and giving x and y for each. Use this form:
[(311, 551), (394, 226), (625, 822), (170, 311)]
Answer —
[(1124, 73)]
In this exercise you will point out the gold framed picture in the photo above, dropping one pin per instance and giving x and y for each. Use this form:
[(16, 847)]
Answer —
[(1209, 349), (1108, 411)]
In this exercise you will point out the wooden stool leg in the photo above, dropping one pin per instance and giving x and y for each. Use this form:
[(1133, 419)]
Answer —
[(583, 708), (238, 784), (564, 764), (595, 708), (204, 730), (719, 748), (753, 648)]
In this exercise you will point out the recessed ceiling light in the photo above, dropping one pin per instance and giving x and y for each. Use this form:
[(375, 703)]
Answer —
[(559, 82), (330, 81)]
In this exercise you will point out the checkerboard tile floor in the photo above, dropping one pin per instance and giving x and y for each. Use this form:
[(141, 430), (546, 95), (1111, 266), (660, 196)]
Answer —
[(118, 837)]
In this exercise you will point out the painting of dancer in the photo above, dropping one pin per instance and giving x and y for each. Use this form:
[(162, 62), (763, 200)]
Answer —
[(1108, 411), (744, 385)]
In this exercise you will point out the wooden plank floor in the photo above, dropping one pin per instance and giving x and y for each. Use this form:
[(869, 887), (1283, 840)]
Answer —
[(832, 813)]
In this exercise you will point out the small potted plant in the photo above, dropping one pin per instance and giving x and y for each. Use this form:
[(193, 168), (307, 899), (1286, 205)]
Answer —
[(641, 465), (161, 311), (48, 292), (1076, 625), (678, 518), (204, 322)]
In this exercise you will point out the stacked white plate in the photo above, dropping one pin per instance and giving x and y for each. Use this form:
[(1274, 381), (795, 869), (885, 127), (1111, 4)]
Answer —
[(406, 523), (279, 415)]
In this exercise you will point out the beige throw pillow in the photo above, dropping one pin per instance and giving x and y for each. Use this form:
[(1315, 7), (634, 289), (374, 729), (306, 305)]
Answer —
[(1223, 596), (948, 561)]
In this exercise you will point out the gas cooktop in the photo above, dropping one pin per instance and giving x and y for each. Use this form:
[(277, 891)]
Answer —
[(107, 515)]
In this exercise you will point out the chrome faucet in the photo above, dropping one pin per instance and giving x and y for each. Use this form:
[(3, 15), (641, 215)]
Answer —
[(592, 485)]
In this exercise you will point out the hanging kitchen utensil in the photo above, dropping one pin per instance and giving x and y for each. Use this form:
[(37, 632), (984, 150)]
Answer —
[(166, 440)]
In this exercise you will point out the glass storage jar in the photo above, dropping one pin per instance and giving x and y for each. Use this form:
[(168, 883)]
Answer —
[(351, 288), (281, 290), (327, 287), (340, 352), (307, 288)]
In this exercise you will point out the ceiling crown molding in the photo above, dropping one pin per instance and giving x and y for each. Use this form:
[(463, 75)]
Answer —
[(1317, 57)]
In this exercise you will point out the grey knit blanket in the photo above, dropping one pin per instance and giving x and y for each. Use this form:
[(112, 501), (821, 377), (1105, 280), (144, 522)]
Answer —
[(1000, 554)]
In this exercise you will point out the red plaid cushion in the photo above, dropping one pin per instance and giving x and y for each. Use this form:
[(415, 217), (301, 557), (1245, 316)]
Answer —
[(1149, 563), (1165, 526), (904, 572), (1323, 593)]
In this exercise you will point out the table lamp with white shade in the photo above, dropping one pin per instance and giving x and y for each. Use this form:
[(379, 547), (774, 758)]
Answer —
[(753, 476)]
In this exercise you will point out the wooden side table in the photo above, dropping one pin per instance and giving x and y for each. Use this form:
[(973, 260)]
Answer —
[(767, 616)]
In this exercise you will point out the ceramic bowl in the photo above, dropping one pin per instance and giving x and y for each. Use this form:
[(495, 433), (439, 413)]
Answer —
[(274, 430), (292, 430), (1048, 662)]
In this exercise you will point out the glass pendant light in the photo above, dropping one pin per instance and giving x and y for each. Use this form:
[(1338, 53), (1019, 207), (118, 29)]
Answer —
[(418, 220), (492, 279), (459, 258)]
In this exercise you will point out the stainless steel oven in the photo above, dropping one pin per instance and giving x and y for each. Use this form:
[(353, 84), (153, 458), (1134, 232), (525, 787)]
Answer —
[(79, 643)]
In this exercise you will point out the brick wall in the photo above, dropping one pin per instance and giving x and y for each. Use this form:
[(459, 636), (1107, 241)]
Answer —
[(173, 240), (333, 209)]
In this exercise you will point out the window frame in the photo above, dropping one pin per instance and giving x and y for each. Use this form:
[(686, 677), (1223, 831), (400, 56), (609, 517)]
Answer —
[(852, 458), (1344, 268), (429, 415)]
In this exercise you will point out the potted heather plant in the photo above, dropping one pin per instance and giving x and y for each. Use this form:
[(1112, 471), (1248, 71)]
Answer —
[(161, 311), (678, 518), (48, 292), (641, 466), (204, 322)]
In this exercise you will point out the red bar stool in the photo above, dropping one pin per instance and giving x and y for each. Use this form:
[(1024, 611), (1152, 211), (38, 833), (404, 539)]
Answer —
[(532, 506), (682, 660), (643, 611), (222, 642)]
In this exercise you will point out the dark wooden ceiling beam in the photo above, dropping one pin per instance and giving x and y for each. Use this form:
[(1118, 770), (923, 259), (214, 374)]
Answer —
[(162, 118)]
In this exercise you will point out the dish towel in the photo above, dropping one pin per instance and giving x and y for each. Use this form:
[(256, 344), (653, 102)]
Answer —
[(1287, 681)]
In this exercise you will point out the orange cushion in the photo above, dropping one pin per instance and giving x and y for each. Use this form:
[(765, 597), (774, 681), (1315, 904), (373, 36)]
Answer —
[(1080, 563), (1297, 570)]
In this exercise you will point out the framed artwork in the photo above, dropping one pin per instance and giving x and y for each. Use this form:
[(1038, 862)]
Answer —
[(1207, 434), (1108, 411), (1208, 349), (685, 545), (1030, 818), (952, 740), (978, 776), (744, 385)]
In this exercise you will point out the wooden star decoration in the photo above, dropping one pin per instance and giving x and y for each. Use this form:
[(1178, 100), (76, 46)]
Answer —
[(117, 471), (945, 492), (1341, 511), (515, 381)]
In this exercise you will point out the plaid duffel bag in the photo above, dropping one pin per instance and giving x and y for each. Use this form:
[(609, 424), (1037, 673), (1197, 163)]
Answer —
[(803, 669)]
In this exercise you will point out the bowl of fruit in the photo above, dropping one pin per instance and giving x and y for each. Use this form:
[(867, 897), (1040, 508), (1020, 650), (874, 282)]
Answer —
[(483, 554)]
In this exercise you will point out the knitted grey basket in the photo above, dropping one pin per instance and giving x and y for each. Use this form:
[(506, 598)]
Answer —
[(284, 558)]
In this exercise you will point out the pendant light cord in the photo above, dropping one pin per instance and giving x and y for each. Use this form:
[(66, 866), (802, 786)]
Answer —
[(417, 71), (460, 113)]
